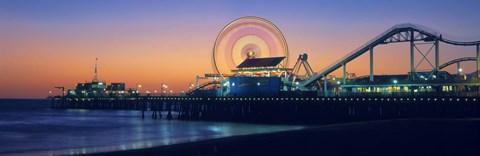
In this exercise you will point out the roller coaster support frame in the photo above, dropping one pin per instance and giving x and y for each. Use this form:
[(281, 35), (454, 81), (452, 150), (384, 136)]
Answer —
[(371, 64), (344, 73), (412, 56), (478, 61), (437, 48), (325, 89)]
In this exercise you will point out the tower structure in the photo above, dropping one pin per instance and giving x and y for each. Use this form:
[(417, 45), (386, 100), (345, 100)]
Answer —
[(95, 76)]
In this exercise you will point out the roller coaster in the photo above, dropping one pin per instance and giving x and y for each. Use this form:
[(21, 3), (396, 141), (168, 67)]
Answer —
[(398, 33), (456, 61)]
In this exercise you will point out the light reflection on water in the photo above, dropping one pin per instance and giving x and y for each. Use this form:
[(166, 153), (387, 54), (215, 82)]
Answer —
[(38, 130)]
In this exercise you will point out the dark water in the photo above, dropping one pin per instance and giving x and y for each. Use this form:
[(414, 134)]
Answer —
[(30, 127)]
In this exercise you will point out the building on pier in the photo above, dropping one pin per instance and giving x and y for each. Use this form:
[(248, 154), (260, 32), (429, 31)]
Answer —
[(387, 85), (97, 88), (256, 77)]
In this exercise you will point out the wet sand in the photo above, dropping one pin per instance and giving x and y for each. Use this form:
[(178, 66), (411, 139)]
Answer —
[(402, 137)]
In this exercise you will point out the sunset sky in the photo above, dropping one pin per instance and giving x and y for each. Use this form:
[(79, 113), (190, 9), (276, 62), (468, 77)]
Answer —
[(48, 43)]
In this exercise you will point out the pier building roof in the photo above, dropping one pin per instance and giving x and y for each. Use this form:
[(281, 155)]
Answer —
[(261, 62)]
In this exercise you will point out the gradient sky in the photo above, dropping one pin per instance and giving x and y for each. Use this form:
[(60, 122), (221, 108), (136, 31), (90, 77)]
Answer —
[(47, 43)]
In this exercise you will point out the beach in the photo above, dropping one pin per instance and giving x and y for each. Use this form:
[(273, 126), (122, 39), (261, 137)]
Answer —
[(387, 137)]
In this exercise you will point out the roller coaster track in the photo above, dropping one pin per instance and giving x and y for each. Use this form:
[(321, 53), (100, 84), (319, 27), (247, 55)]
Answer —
[(463, 59), (398, 33), (202, 86)]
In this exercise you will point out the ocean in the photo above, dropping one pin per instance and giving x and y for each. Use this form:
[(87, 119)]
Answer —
[(31, 127)]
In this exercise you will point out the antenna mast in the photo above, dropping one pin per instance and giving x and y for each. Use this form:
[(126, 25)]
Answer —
[(95, 77)]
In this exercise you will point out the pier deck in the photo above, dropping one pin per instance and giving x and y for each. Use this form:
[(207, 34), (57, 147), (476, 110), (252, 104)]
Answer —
[(283, 110)]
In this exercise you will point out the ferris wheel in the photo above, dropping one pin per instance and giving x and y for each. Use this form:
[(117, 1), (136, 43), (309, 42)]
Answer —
[(247, 37)]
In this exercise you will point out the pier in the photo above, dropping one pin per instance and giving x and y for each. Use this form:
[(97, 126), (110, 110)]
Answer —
[(256, 87), (282, 110)]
